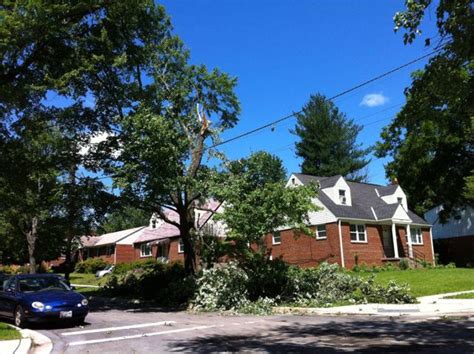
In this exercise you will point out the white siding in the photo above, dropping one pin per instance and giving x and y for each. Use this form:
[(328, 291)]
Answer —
[(333, 192), (454, 227), (401, 215), (323, 216), (393, 198)]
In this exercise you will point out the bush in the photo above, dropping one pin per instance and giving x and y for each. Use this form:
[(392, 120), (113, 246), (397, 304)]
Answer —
[(240, 288), (91, 265), (166, 284), (222, 288), (14, 269), (403, 265)]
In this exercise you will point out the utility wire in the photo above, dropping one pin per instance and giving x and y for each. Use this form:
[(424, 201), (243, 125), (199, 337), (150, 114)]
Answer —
[(329, 99)]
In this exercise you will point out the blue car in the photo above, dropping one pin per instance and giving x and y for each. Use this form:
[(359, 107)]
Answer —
[(32, 298)]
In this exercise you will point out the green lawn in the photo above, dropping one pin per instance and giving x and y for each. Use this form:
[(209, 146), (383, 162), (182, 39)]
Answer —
[(462, 296), (84, 279), (425, 282), (8, 333)]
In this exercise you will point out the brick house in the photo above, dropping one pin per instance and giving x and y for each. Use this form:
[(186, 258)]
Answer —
[(159, 240), (115, 247), (358, 223), (162, 240)]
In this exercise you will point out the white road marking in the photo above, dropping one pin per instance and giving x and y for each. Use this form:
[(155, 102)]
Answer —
[(114, 339), (110, 329)]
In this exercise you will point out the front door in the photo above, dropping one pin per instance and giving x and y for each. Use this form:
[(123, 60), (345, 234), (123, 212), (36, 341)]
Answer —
[(162, 252), (388, 242)]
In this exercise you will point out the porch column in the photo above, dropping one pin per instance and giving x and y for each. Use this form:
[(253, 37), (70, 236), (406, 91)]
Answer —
[(410, 246), (394, 239)]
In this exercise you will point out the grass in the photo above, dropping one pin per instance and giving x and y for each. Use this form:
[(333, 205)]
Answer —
[(427, 281), (87, 279), (462, 296), (8, 333)]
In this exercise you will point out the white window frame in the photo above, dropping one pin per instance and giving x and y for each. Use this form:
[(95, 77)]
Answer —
[(358, 233), (180, 246), (416, 236), (342, 197), (142, 246), (273, 238), (318, 232)]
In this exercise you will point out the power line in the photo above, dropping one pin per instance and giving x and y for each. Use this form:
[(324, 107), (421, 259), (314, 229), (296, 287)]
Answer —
[(329, 99)]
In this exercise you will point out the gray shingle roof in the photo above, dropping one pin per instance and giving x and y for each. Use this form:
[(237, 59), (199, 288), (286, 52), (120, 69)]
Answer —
[(364, 197)]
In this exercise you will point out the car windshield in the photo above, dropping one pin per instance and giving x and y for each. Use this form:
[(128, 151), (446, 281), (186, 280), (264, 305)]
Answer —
[(29, 285)]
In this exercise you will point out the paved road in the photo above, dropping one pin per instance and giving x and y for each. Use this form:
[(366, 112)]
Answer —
[(154, 331)]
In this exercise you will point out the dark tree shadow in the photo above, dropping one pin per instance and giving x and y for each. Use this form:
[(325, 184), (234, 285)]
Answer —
[(362, 336)]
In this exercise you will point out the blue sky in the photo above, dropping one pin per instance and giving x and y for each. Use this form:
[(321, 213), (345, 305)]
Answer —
[(282, 51)]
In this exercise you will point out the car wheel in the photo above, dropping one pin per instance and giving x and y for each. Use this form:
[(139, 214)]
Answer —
[(19, 317)]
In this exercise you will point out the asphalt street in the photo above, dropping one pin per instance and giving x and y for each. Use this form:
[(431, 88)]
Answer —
[(155, 331)]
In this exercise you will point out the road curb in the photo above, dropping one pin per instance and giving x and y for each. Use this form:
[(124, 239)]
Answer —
[(40, 344)]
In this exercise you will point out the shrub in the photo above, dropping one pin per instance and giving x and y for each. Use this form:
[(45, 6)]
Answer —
[(241, 288), (166, 284), (403, 265), (90, 265), (14, 269), (222, 288)]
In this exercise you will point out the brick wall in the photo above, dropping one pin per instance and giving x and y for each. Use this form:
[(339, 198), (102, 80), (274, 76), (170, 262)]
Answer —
[(173, 254), (125, 253), (421, 252), (305, 250), (369, 253)]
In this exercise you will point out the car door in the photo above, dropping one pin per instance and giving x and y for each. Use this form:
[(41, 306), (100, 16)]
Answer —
[(8, 298)]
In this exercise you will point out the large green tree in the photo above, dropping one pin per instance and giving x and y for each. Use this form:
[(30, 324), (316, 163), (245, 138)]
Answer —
[(91, 56), (257, 202), (29, 186), (123, 218), (431, 139), (328, 141)]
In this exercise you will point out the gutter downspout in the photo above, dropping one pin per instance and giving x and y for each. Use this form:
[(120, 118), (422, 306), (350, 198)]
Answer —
[(432, 247), (115, 254), (341, 248)]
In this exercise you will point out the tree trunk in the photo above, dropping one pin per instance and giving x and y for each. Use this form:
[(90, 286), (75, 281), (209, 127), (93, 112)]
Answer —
[(72, 215), (31, 237), (189, 252)]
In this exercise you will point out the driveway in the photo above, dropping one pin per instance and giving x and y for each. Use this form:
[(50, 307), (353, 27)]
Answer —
[(155, 331)]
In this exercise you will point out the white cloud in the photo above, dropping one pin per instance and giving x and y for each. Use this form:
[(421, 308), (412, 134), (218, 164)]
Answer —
[(374, 100)]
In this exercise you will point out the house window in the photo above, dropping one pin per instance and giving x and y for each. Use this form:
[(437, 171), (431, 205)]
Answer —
[(321, 232), (181, 246), (342, 196), (400, 200), (153, 224), (276, 238), (416, 236), (358, 233), (110, 250), (145, 250)]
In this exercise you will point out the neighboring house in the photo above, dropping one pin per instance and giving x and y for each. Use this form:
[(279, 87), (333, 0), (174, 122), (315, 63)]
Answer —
[(454, 239), (358, 223), (115, 247), (159, 240), (162, 240)]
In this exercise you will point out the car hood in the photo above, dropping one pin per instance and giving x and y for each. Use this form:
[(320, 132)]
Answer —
[(55, 296)]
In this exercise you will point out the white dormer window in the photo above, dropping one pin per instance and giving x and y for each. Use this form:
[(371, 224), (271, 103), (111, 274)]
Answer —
[(293, 181), (400, 200), (342, 196), (153, 224)]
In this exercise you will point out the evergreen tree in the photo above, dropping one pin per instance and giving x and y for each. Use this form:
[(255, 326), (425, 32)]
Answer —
[(328, 141)]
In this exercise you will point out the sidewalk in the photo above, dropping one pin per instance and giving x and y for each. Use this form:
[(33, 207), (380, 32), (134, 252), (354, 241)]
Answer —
[(31, 342), (428, 306)]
